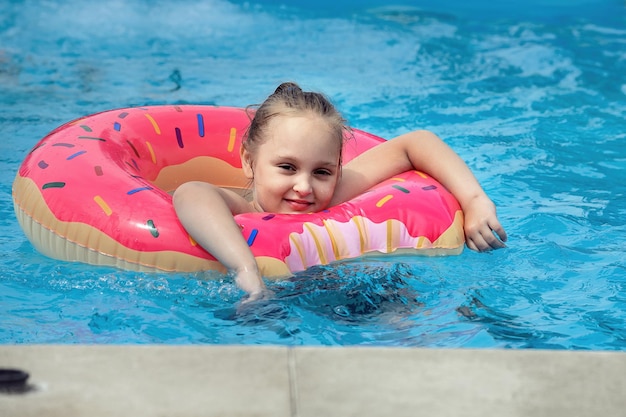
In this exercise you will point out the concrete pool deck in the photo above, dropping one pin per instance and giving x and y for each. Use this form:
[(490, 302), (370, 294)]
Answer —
[(157, 380)]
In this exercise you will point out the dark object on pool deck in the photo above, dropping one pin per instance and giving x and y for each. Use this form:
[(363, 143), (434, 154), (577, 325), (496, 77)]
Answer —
[(13, 381)]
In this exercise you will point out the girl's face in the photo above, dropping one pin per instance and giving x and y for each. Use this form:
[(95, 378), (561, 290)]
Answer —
[(296, 168)]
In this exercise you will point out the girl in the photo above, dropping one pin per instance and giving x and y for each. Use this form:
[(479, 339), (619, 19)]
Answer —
[(292, 156)]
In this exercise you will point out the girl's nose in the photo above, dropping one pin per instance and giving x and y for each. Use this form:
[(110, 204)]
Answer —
[(302, 185)]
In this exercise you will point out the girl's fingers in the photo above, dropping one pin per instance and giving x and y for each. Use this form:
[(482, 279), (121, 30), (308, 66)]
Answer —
[(486, 240)]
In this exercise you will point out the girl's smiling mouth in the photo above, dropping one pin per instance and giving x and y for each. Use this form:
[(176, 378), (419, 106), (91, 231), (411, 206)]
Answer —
[(299, 205)]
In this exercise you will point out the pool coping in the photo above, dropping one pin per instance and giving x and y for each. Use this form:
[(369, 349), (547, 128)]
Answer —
[(217, 380)]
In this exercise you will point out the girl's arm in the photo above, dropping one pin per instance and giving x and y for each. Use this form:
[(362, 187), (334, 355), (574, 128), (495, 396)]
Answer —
[(206, 212), (424, 151)]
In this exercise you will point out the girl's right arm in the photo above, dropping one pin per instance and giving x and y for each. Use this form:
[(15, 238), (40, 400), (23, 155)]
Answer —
[(206, 212)]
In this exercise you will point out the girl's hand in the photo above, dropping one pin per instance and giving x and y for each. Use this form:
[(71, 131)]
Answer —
[(262, 295), (482, 225)]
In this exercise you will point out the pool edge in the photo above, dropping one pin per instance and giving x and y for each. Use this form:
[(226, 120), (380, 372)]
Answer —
[(218, 380)]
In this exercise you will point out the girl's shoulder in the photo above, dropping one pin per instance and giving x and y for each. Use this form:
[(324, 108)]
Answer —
[(238, 200)]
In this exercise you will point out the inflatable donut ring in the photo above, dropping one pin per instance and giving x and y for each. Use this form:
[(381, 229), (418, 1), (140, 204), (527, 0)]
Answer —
[(98, 190)]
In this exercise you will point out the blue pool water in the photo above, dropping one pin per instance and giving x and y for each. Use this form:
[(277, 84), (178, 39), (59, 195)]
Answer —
[(531, 94)]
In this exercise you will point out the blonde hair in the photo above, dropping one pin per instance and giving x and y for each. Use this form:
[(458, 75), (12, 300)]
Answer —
[(288, 100)]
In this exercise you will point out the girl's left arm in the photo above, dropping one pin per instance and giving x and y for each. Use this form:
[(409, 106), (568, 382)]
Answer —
[(424, 151)]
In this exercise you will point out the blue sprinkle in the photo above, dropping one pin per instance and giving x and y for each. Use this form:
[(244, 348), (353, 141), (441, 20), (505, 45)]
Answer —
[(200, 125), (136, 190), (179, 138), (117, 126), (252, 236), (75, 155), (404, 190)]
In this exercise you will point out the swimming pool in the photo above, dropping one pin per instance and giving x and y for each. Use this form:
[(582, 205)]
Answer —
[(532, 96)]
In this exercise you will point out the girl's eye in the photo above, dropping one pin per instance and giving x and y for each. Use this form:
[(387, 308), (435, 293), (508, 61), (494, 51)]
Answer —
[(287, 167), (323, 172)]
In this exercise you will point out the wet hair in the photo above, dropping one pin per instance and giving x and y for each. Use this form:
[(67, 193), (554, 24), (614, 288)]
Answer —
[(289, 100)]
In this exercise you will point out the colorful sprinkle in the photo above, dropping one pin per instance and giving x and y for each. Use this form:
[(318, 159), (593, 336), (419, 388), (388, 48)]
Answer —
[(136, 190), (252, 236), (123, 115), (153, 229), (103, 205), (178, 109), (152, 155), (404, 190), (36, 147), (133, 148), (65, 145), (42, 164), (231, 141), (117, 126), (421, 174), (383, 200), (429, 187), (75, 122), (98, 170), (86, 128), (91, 138), (200, 125), (53, 185), (155, 126), (79, 153), (135, 165), (268, 217), (179, 138)]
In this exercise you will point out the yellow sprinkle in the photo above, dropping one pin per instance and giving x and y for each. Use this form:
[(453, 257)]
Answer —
[(192, 241), (154, 124), (421, 174), (76, 121), (231, 141), (420, 242), (152, 155), (383, 200), (103, 205), (398, 179)]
